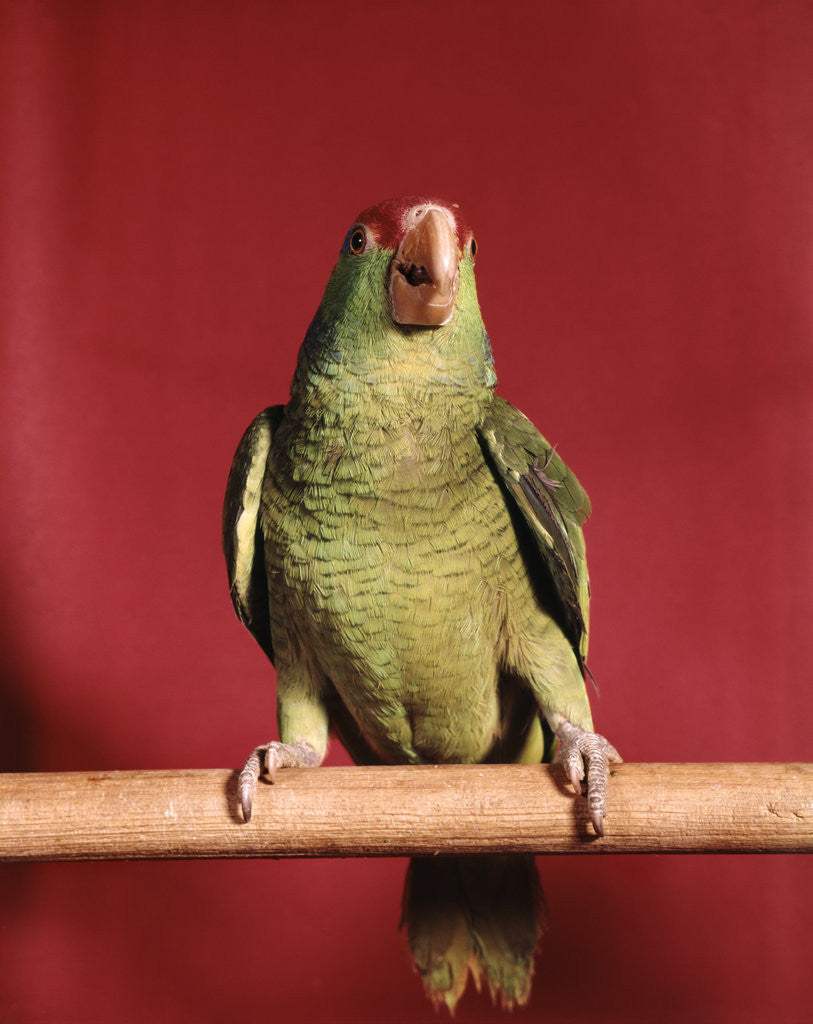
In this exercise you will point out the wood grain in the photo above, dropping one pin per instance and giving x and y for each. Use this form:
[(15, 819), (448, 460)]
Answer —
[(364, 812)]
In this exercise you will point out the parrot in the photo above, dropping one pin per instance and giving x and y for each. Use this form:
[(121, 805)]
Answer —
[(407, 550)]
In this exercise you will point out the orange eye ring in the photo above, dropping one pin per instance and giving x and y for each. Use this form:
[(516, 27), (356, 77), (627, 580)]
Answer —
[(358, 241), (473, 247)]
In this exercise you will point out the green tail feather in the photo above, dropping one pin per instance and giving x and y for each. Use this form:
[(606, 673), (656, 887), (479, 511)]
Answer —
[(477, 915)]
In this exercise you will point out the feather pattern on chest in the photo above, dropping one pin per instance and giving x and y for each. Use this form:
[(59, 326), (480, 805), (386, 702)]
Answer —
[(385, 530)]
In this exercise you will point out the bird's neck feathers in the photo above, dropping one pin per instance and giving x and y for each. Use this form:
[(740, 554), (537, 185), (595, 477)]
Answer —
[(355, 362)]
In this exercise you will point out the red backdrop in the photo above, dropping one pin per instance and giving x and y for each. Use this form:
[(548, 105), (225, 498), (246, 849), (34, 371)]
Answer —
[(176, 181)]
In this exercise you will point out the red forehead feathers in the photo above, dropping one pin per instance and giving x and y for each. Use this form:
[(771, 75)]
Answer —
[(385, 220)]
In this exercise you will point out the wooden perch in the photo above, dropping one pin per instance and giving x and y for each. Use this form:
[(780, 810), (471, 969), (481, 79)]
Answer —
[(362, 812)]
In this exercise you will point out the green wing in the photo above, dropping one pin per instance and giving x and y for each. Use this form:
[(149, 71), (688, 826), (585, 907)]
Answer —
[(551, 501), (242, 535)]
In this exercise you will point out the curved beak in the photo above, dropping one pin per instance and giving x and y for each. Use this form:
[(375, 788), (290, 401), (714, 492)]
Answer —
[(424, 273)]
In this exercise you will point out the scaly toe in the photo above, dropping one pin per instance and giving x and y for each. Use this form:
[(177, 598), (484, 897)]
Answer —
[(247, 781), (577, 747)]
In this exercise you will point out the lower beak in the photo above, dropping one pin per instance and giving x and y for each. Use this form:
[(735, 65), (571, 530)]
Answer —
[(424, 273)]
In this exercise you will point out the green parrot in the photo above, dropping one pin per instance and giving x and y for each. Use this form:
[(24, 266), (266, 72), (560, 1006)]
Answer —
[(407, 550)]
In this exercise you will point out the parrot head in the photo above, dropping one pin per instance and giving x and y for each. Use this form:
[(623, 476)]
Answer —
[(403, 293), (425, 241)]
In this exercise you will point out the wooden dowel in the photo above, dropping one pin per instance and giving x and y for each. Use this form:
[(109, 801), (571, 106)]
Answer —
[(426, 810)]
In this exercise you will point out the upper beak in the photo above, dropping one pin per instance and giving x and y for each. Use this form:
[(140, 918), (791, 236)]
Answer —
[(424, 273)]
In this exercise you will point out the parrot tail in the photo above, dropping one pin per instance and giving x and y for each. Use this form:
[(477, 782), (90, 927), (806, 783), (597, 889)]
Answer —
[(478, 915)]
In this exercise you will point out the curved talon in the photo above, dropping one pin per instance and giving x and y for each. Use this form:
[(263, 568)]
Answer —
[(576, 774), (246, 799), (272, 762), (247, 782)]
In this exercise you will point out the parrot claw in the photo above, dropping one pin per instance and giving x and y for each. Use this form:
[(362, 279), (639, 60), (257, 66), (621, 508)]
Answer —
[(247, 782), (581, 753), (270, 758), (575, 779)]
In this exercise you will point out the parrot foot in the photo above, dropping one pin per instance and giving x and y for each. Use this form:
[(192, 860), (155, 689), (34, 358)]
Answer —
[(587, 753), (270, 757)]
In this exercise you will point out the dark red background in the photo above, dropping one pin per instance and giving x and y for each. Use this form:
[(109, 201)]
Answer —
[(176, 181)]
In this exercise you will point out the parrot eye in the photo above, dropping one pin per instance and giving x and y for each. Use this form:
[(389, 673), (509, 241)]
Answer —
[(358, 240), (473, 247)]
